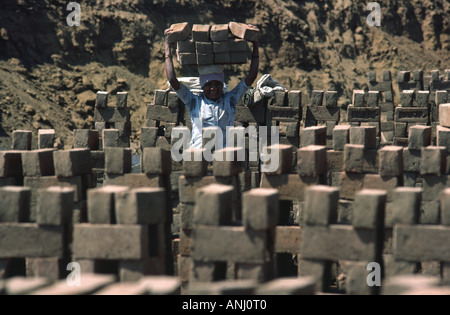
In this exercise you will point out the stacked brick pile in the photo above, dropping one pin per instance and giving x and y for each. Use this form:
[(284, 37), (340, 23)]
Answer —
[(212, 44)]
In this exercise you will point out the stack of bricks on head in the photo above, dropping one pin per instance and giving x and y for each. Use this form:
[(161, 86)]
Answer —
[(216, 44)]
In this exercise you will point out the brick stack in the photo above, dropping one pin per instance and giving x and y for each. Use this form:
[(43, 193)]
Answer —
[(324, 241), (125, 233), (212, 44), (39, 248), (323, 111), (113, 123)]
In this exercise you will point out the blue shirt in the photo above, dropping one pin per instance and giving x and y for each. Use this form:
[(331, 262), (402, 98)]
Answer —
[(207, 113)]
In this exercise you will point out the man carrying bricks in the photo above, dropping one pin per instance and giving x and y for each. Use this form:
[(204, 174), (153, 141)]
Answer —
[(213, 107)]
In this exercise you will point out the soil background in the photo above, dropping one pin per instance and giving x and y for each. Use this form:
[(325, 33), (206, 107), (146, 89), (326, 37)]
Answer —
[(50, 72)]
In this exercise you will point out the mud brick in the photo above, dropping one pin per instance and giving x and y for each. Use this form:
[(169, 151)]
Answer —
[(36, 183), (422, 98), (124, 129), (213, 205), (205, 58), (237, 45), (232, 243), (204, 47), (117, 160), (72, 162), (238, 57), (194, 163), (284, 152), (419, 137), (15, 204), (110, 242), (48, 268), (318, 269), (228, 162), (421, 242), (332, 243), (321, 203), (341, 137), (188, 185), (99, 126), (21, 140), (112, 114), (185, 59), (140, 206), (156, 161), (110, 138), (404, 207), (313, 136), (260, 208), (353, 158), (400, 130), (55, 206), (445, 206), (121, 99), (335, 161), (371, 161), (20, 240), (46, 138), (288, 239), (101, 99), (185, 46), (148, 137), (411, 114), (358, 99), (312, 161), (372, 76), (279, 98), (222, 58), (290, 186), (350, 183), (160, 97), (391, 161), (434, 160), (388, 96), (316, 98), (85, 138), (283, 113), (441, 97), (38, 163), (363, 114), (135, 180), (101, 204), (407, 98), (432, 186), (365, 135), (322, 113), (368, 209), (219, 32), (373, 99), (403, 76), (444, 115), (221, 47), (200, 33), (376, 181), (429, 212), (295, 99), (243, 31), (180, 32)]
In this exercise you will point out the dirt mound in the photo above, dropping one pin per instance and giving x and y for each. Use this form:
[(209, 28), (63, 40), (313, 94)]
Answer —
[(50, 72)]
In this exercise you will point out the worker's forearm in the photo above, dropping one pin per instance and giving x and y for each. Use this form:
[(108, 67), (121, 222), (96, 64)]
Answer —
[(170, 71), (254, 65)]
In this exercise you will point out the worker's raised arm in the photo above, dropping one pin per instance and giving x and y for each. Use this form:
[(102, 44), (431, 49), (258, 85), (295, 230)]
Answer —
[(254, 65), (170, 71)]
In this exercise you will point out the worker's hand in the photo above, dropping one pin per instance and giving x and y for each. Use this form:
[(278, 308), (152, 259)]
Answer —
[(256, 28), (167, 31)]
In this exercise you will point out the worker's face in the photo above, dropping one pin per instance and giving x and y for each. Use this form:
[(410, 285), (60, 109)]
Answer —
[(213, 90)]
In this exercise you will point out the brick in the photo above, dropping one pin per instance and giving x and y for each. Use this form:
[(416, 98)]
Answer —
[(412, 159), (350, 183), (422, 98), (290, 186), (368, 209), (407, 98), (117, 160), (316, 98), (204, 47), (373, 99), (279, 98), (432, 186), (284, 158), (112, 114), (101, 99), (135, 180), (433, 160), (72, 162), (411, 114), (110, 242), (110, 138), (20, 240), (35, 183), (419, 137), (238, 57), (156, 161), (140, 206), (231, 243), (194, 163), (85, 138), (219, 32), (221, 47), (341, 137), (430, 212), (372, 76), (213, 205), (180, 32), (295, 99), (288, 239), (48, 268), (391, 161), (186, 46), (364, 135), (376, 181), (205, 58), (363, 114), (38, 163), (15, 204), (188, 185), (121, 99), (421, 242), (55, 206), (187, 58), (222, 58), (200, 33), (353, 158), (260, 208), (228, 162), (321, 203), (244, 31), (333, 243), (322, 113), (331, 98), (237, 45), (444, 115), (46, 138), (403, 76), (21, 140), (358, 98), (405, 207), (101, 204), (445, 206), (312, 161), (148, 137), (313, 136)]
